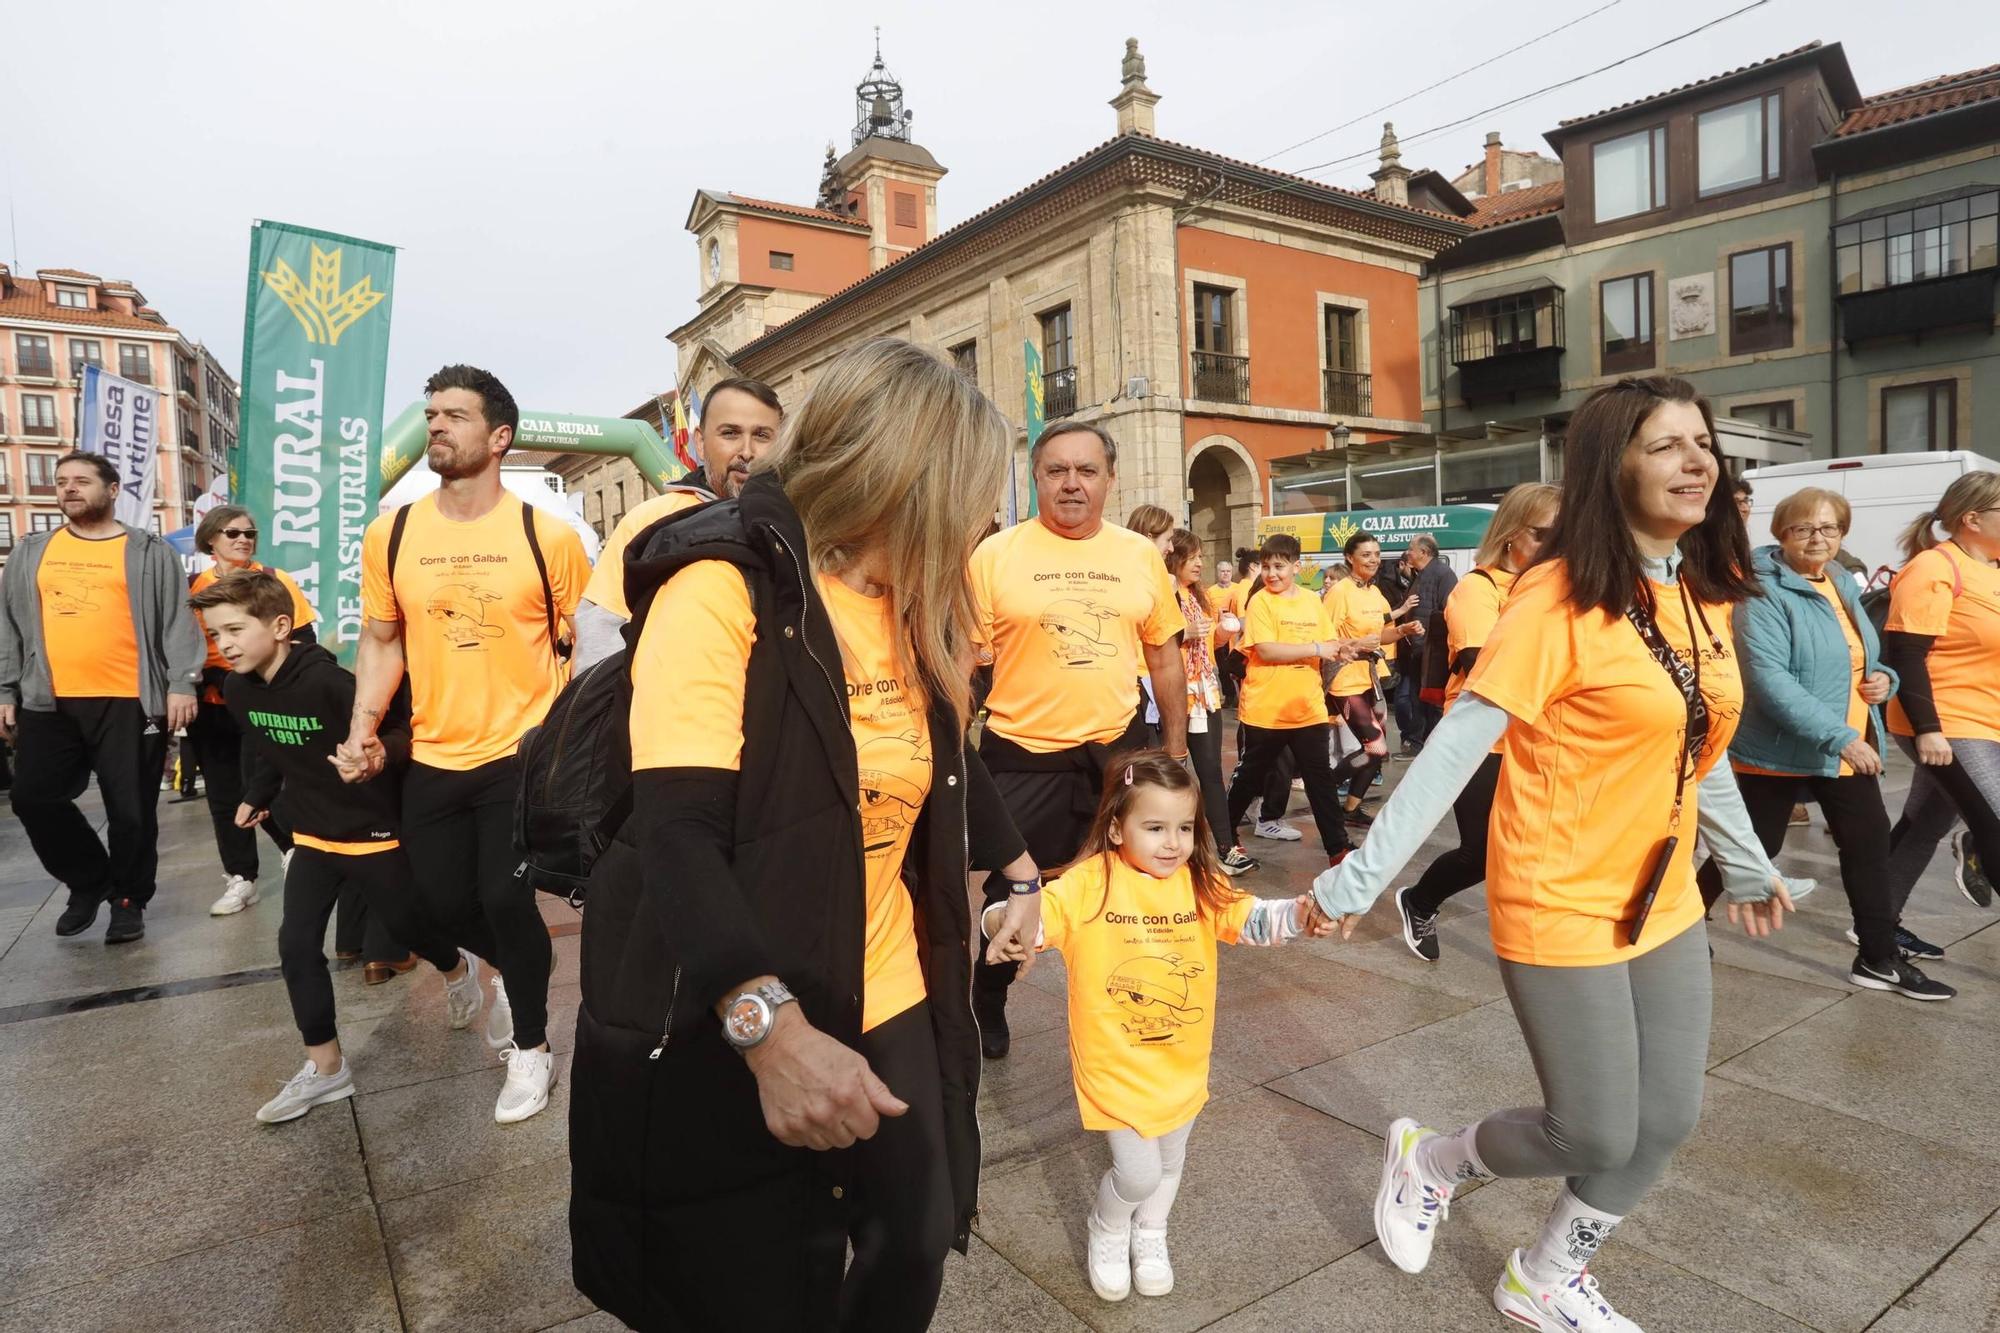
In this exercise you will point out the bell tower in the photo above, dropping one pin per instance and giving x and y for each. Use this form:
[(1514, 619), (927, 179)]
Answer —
[(886, 179)]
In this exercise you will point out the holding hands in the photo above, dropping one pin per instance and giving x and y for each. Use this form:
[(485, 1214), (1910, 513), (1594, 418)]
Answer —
[(359, 759)]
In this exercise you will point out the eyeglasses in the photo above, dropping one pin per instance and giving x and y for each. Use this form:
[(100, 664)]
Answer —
[(1801, 531), (238, 534)]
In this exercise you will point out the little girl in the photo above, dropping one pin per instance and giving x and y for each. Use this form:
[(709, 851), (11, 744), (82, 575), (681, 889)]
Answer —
[(1136, 917)]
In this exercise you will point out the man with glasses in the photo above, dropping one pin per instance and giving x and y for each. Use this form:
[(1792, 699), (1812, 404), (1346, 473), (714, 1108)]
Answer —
[(99, 662)]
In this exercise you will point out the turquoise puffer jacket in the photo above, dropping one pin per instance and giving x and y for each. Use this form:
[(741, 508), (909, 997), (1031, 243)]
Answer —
[(1796, 671)]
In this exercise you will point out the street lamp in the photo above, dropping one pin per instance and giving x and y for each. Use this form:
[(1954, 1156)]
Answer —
[(1340, 434)]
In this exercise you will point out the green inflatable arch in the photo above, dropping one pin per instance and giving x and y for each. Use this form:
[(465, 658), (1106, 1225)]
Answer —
[(554, 432)]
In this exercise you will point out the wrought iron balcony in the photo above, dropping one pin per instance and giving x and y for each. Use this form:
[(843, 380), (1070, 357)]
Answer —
[(1962, 301), (1349, 393), (137, 374), (37, 367), (1059, 394), (1221, 378)]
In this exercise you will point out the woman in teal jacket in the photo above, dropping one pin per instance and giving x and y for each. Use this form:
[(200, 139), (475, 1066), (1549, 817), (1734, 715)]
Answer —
[(1813, 686)]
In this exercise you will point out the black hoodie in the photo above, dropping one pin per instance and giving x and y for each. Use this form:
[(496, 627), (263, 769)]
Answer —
[(291, 726)]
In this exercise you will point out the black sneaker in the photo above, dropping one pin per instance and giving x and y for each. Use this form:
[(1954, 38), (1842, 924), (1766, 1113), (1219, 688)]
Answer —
[(1236, 861), (1971, 876), (77, 917), (989, 1010), (1408, 752), (1357, 817), (1902, 977), (1910, 946), (1419, 932), (128, 922)]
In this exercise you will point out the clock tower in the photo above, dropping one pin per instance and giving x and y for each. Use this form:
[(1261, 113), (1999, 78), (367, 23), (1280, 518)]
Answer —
[(886, 180)]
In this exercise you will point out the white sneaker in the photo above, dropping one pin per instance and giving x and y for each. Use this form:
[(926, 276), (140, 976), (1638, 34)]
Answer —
[(463, 997), (1270, 828), (1110, 1259), (530, 1075), (285, 862), (1408, 1208), (237, 894), (306, 1089), (500, 1018), (1152, 1271), (1573, 1305)]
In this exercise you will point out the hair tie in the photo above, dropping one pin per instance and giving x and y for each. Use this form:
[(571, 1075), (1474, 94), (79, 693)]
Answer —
[(1128, 775)]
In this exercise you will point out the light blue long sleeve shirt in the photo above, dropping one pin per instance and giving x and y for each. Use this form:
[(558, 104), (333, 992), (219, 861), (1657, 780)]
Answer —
[(1453, 753)]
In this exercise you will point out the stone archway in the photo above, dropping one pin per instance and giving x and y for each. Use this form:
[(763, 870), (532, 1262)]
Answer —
[(1223, 503)]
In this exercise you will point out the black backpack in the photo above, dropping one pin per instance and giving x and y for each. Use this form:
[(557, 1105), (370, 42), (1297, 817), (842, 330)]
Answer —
[(576, 767)]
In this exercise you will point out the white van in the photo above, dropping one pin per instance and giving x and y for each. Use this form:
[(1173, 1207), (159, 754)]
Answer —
[(1886, 492)]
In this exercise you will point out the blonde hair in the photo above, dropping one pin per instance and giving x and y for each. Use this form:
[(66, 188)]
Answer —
[(1794, 508), (1963, 498), (1150, 522), (1518, 511), (894, 450)]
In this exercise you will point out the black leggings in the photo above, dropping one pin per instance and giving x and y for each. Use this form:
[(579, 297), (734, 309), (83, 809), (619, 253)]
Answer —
[(1362, 720), (458, 828), (55, 754), (1859, 823), (217, 743), (1307, 747), (1464, 865), (1205, 749), (312, 885)]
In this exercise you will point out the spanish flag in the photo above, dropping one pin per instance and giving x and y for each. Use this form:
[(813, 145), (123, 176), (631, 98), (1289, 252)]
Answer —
[(681, 435)]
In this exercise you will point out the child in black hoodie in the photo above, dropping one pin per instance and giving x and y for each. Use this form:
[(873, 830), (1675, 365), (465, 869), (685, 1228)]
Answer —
[(293, 702)]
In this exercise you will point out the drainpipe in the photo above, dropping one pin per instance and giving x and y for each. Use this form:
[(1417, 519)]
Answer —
[(1833, 308), (1437, 322)]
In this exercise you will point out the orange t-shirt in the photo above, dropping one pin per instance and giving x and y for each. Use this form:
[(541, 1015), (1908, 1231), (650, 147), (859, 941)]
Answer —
[(87, 631), (607, 581), (693, 661), (1587, 779), (1063, 621), (475, 628), (302, 610), (1355, 610), (1283, 695), (1469, 616), (1964, 662), (1141, 961), (1857, 662)]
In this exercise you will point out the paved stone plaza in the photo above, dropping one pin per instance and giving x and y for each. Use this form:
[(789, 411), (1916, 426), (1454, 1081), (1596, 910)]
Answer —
[(1845, 1176)]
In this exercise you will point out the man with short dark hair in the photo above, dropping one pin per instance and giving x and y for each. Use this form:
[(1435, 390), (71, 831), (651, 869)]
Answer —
[(739, 425), (1071, 611), (100, 660), (468, 586)]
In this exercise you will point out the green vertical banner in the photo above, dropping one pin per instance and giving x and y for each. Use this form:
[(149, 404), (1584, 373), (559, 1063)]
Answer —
[(307, 464), (1031, 359)]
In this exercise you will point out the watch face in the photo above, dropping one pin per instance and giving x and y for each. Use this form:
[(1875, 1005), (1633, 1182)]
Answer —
[(747, 1018), (714, 261)]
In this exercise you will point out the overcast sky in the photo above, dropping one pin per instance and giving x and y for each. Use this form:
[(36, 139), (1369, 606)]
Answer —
[(535, 161)]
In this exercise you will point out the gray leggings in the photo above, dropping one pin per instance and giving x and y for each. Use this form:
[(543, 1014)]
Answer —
[(1938, 799), (1621, 1051)]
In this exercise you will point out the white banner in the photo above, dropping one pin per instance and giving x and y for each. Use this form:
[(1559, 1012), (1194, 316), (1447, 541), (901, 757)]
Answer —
[(121, 420)]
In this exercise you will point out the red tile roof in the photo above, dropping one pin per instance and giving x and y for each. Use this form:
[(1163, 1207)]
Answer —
[(24, 301), (1533, 201), (66, 273), (1689, 87), (798, 211), (1946, 93)]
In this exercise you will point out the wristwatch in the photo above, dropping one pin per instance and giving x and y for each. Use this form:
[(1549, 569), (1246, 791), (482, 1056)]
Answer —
[(1023, 888), (749, 1017)]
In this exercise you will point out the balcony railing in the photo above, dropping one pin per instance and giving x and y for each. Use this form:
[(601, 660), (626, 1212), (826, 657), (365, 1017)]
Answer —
[(37, 428), (1059, 394), (141, 374), (1221, 378), (38, 367), (1349, 393), (77, 364), (1962, 301)]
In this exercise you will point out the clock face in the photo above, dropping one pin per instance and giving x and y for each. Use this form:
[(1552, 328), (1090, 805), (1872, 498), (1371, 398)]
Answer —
[(714, 261)]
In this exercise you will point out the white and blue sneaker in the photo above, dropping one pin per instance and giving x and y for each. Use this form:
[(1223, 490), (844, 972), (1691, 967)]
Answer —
[(1408, 1208), (306, 1089), (1573, 1305)]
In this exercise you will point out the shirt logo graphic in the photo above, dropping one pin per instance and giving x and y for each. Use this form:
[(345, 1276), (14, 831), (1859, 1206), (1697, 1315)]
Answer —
[(460, 609), (69, 601), (1153, 992), (891, 796), (1076, 631)]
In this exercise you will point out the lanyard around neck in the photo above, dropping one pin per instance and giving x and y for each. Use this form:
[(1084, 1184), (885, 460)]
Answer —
[(1686, 677)]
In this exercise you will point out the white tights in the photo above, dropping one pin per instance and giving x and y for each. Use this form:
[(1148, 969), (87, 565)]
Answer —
[(1145, 1176)]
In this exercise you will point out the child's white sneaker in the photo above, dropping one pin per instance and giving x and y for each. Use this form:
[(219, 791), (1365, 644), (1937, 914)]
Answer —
[(1110, 1259), (500, 1018), (463, 997), (1152, 1271), (237, 894), (530, 1075), (1573, 1305)]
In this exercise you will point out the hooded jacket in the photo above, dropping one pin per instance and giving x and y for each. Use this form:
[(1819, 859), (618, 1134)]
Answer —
[(719, 877), (172, 647)]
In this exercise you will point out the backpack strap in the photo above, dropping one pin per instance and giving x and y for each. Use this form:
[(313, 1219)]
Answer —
[(541, 568), (396, 526)]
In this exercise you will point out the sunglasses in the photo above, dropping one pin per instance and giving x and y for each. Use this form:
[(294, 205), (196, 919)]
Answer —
[(238, 534)]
